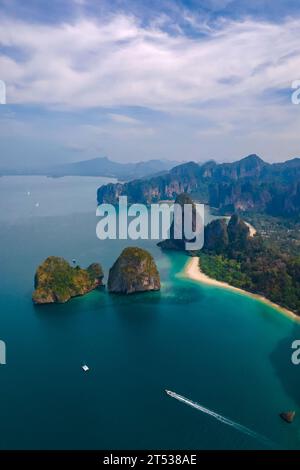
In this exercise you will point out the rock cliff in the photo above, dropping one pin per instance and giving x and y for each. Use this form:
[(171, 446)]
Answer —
[(134, 271), (249, 184), (179, 244), (57, 282)]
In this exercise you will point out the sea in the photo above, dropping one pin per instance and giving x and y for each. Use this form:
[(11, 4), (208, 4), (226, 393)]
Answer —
[(227, 352)]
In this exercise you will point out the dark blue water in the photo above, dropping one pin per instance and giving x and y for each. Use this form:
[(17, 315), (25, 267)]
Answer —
[(223, 350)]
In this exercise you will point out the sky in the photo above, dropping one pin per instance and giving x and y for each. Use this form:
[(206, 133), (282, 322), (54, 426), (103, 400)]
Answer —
[(135, 80)]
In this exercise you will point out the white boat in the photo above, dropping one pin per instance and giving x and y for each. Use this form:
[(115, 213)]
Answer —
[(172, 394), (85, 368)]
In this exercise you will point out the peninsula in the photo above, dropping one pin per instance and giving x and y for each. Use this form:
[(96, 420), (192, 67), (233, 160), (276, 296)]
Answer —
[(192, 270), (237, 259)]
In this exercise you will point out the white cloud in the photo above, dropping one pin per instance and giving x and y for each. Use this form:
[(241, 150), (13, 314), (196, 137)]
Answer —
[(218, 88), (119, 132), (120, 63), (123, 119)]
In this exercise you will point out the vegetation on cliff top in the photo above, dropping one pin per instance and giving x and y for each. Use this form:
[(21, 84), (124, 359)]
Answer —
[(57, 281)]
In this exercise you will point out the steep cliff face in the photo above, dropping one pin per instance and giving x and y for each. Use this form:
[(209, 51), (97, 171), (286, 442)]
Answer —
[(238, 233), (216, 236), (174, 243), (285, 200), (249, 167), (134, 271), (247, 185), (56, 281), (183, 178), (220, 237), (239, 196)]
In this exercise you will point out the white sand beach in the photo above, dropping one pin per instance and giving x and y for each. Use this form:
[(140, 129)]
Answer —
[(192, 271), (252, 230)]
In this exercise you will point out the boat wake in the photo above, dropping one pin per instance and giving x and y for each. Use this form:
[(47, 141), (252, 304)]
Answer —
[(222, 419)]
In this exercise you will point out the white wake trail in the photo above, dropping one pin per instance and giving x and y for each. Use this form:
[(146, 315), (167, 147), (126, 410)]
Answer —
[(222, 419)]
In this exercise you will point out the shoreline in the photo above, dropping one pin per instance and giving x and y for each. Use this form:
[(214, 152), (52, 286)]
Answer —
[(193, 271)]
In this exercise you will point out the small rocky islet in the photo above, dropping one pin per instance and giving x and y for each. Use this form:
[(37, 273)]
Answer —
[(56, 281), (288, 416), (134, 271)]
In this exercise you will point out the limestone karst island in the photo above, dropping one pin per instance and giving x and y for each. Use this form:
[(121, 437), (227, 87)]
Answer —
[(56, 281)]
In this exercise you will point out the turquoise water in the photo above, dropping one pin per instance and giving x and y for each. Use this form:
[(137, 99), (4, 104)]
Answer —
[(226, 351)]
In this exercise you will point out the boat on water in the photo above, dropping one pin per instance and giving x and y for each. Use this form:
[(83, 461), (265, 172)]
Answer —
[(85, 368)]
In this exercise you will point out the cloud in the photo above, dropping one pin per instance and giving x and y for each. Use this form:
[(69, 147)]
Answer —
[(123, 119), (213, 90), (118, 132), (119, 62)]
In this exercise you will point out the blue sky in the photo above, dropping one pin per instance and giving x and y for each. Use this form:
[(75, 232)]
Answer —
[(134, 80)]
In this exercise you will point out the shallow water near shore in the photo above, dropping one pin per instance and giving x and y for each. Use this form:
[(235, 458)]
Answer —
[(230, 353)]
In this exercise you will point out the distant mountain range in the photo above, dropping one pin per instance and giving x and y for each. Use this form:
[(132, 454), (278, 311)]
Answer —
[(99, 167), (249, 184)]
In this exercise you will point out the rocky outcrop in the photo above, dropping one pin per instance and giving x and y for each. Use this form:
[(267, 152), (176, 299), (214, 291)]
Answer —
[(57, 282), (96, 273), (174, 243), (238, 233), (288, 416), (220, 237), (134, 271), (216, 236)]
